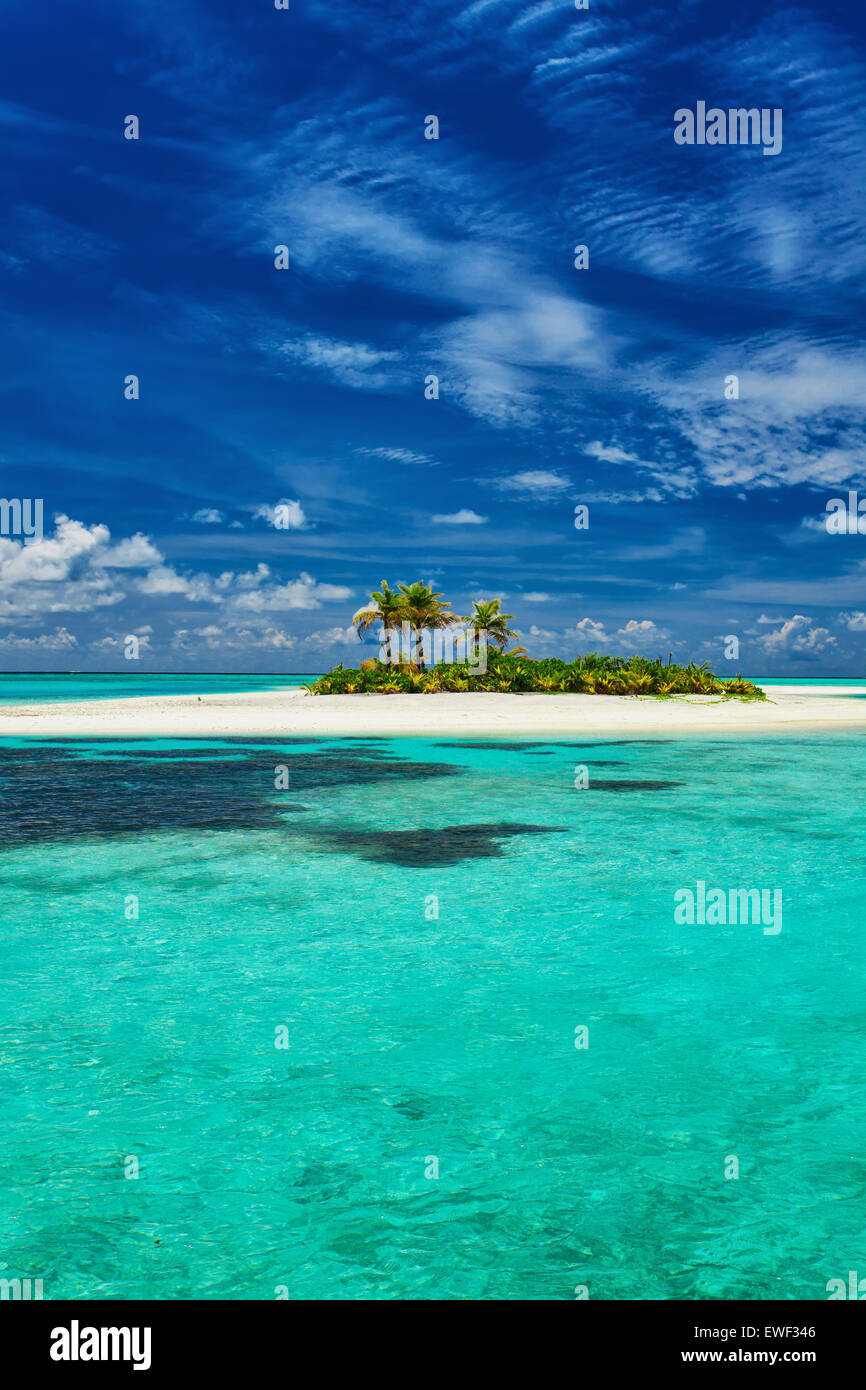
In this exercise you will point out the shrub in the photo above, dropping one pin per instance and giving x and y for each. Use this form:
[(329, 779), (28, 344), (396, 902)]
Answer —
[(593, 674)]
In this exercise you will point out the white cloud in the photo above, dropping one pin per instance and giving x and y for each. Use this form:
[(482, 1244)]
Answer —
[(796, 637), (303, 592), (79, 570), (500, 357), (398, 455), (353, 364), (509, 331), (208, 516), (240, 639), (285, 515), (116, 641), (135, 553), (514, 346), (633, 628), (537, 483), (60, 573), (639, 635), (273, 637), (609, 453), (464, 517), (613, 499), (792, 397), (163, 581), (815, 523), (332, 637), (634, 636), (591, 631), (52, 558), (58, 640), (670, 477), (247, 579)]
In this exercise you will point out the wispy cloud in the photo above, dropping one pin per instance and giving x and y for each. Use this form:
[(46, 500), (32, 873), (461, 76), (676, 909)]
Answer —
[(354, 364), (407, 456), (464, 517), (285, 515), (452, 258), (538, 484)]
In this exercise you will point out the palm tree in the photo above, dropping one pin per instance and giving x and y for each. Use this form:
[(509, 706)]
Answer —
[(487, 617), (424, 608), (385, 606)]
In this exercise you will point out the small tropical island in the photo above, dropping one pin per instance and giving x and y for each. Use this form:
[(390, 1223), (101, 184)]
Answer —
[(419, 632)]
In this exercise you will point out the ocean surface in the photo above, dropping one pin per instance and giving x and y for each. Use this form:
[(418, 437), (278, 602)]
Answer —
[(30, 688), (37, 687), (304, 1018), (822, 685)]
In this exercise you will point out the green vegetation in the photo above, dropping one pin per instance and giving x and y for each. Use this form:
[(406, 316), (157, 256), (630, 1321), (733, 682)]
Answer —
[(416, 604), (590, 675), (421, 608), (487, 616)]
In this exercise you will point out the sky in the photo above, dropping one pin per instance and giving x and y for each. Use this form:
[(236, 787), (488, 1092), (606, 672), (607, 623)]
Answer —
[(305, 395)]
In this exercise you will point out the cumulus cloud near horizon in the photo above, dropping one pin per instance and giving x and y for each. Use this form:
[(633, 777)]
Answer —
[(80, 570)]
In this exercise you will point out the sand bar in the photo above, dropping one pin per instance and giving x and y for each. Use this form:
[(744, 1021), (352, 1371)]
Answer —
[(294, 712)]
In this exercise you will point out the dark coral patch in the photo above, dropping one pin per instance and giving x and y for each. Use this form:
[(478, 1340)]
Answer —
[(617, 742), (422, 849), (523, 747), (412, 1107), (68, 792), (625, 784)]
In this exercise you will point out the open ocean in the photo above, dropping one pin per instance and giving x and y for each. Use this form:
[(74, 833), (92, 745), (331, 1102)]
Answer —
[(425, 924), (37, 687)]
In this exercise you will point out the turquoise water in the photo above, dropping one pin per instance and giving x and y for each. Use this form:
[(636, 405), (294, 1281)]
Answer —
[(31, 688), (414, 1036), (28, 688), (817, 685), (821, 683)]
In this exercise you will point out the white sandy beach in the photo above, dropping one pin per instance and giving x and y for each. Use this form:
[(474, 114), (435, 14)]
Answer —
[(294, 712)]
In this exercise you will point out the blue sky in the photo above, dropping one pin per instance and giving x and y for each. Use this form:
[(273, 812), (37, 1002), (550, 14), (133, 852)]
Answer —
[(412, 257)]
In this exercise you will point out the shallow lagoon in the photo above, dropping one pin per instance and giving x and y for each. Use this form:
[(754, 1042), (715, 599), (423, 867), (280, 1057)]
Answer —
[(412, 1035)]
